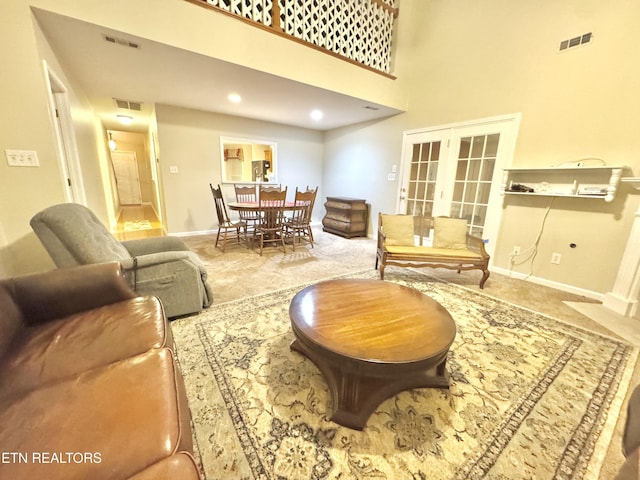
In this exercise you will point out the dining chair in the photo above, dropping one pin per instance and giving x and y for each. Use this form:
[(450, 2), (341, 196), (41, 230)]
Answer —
[(226, 227), (298, 226), (270, 228), (313, 202), (247, 194)]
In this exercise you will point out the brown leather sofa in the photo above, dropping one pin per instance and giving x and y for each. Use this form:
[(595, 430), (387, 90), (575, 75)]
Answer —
[(89, 387)]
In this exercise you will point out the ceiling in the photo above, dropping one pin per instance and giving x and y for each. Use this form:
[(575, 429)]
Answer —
[(158, 73)]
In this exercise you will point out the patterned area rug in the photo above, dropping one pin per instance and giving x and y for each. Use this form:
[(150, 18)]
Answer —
[(530, 397)]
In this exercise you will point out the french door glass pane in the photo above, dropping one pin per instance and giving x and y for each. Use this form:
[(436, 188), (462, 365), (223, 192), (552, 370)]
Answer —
[(474, 170), (458, 190), (491, 150), (461, 171), (483, 193), (412, 190), (465, 147), (470, 192), (431, 191), (478, 147), (486, 173)]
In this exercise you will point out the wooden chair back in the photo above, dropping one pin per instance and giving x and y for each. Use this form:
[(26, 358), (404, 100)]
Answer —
[(272, 205), (221, 208), (315, 193), (271, 188), (303, 205), (245, 193)]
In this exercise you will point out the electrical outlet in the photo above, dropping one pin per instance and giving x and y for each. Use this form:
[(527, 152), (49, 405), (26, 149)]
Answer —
[(555, 258), (22, 158), (516, 250)]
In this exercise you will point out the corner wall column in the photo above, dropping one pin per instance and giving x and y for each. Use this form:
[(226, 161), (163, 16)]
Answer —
[(623, 299)]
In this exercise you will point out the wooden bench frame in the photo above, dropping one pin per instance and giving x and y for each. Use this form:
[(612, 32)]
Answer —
[(426, 259)]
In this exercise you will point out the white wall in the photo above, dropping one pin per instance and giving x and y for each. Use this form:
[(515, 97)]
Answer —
[(25, 124), (190, 140)]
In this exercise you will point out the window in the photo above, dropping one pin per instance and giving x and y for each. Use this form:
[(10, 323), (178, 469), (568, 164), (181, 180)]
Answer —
[(247, 161)]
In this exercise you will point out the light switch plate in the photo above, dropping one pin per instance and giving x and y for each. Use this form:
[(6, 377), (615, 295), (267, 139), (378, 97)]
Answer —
[(173, 169), (22, 158), (391, 177)]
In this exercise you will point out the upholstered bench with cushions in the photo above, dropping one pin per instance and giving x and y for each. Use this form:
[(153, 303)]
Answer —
[(452, 247), (89, 387)]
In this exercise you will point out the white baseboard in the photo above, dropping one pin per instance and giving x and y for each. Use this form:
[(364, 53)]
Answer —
[(550, 283)]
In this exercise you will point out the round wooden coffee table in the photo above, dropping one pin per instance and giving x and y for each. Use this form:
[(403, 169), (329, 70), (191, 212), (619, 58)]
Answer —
[(371, 339)]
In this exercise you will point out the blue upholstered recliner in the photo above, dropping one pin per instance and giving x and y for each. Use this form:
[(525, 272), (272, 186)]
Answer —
[(162, 266)]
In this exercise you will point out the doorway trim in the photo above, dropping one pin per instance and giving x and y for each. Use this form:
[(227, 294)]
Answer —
[(509, 126), (66, 145)]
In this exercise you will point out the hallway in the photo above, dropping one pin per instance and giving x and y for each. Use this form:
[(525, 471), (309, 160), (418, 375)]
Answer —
[(138, 221)]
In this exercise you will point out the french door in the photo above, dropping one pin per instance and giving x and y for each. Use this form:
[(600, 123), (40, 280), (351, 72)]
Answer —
[(456, 171)]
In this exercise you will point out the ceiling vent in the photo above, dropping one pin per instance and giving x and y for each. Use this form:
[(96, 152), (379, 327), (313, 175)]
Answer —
[(128, 104), (121, 41), (576, 41)]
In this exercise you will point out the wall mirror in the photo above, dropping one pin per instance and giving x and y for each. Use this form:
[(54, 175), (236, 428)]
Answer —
[(247, 161)]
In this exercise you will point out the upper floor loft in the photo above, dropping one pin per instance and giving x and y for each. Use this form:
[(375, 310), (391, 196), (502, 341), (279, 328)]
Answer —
[(359, 31), (331, 55)]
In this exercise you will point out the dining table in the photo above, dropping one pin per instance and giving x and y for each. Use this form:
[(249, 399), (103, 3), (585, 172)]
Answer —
[(256, 208)]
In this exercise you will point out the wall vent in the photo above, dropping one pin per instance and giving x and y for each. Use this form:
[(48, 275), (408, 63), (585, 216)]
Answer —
[(121, 41), (576, 41), (128, 104)]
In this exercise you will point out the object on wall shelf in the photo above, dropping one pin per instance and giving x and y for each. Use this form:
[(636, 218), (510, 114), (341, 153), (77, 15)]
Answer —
[(346, 217), (577, 182)]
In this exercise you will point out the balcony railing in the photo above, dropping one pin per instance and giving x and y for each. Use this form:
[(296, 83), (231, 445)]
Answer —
[(359, 31)]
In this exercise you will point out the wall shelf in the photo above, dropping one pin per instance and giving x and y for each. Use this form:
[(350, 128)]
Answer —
[(634, 181), (574, 182)]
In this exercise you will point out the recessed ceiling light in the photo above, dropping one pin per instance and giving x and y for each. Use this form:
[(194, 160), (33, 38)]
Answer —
[(234, 98), (125, 119), (317, 115)]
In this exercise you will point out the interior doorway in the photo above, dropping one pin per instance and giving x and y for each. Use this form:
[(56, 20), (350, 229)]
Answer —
[(135, 184), (125, 169), (456, 170), (67, 153)]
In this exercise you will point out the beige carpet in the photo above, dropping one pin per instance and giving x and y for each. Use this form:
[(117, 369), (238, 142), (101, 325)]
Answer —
[(530, 398)]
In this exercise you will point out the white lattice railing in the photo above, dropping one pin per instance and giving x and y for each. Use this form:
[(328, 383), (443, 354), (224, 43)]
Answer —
[(359, 30)]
